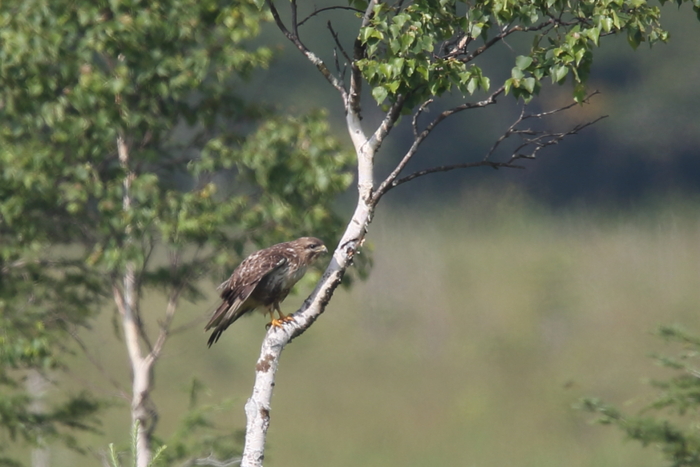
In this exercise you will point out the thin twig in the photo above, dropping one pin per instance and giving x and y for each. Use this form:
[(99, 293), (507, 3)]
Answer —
[(539, 140), (91, 358), (447, 168), (513, 130), (295, 24), (190, 324), (321, 10), (388, 183), (353, 99), (313, 58), (414, 122), (545, 139), (170, 309), (337, 42), (78, 263), (504, 136)]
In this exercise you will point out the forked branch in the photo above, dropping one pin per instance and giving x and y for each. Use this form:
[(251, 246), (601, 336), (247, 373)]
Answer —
[(391, 179), (293, 37), (532, 142), (535, 140)]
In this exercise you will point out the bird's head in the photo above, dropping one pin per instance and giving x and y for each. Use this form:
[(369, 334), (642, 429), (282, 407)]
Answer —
[(311, 248)]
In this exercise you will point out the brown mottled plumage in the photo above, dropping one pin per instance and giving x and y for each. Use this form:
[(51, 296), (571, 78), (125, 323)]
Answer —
[(264, 279)]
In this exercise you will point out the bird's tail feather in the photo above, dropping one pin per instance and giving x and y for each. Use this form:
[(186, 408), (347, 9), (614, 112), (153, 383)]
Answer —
[(223, 317)]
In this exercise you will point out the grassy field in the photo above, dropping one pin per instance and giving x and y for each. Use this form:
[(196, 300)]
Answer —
[(479, 328)]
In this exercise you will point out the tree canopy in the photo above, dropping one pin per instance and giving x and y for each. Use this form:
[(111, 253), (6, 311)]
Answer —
[(130, 162)]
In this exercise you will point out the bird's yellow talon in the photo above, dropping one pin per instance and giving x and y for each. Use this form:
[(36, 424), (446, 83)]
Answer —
[(276, 323)]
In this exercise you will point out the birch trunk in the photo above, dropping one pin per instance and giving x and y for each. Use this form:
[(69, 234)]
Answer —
[(37, 386), (258, 406), (141, 367)]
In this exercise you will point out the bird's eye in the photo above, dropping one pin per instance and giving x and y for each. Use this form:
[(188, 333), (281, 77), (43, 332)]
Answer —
[(312, 246)]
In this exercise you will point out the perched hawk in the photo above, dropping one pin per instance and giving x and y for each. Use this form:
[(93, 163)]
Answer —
[(264, 279)]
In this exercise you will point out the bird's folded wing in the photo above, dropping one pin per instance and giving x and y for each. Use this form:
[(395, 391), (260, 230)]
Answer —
[(240, 286)]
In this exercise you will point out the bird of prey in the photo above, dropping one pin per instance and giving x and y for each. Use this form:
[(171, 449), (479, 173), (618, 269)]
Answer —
[(264, 279)]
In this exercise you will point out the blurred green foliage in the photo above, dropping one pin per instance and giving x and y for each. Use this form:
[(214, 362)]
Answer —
[(208, 173), (678, 400)]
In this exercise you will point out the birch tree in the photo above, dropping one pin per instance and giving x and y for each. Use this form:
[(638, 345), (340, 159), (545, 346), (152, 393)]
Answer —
[(131, 166), (415, 59)]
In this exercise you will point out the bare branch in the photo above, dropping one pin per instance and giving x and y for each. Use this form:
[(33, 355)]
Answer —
[(387, 124), (91, 358), (313, 58), (295, 24), (388, 183), (544, 139), (541, 138), (447, 168), (214, 462), (504, 136), (170, 309), (414, 122), (321, 10), (352, 102), (533, 142), (337, 42)]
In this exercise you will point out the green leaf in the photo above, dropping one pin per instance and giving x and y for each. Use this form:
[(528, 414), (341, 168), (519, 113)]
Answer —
[(368, 33), (606, 23), (471, 86), (522, 62), (579, 93), (558, 73), (635, 37), (475, 30), (380, 94), (507, 85), (485, 83)]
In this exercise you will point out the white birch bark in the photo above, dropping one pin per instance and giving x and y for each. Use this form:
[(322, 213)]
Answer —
[(37, 386), (258, 406), (141, 416)]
